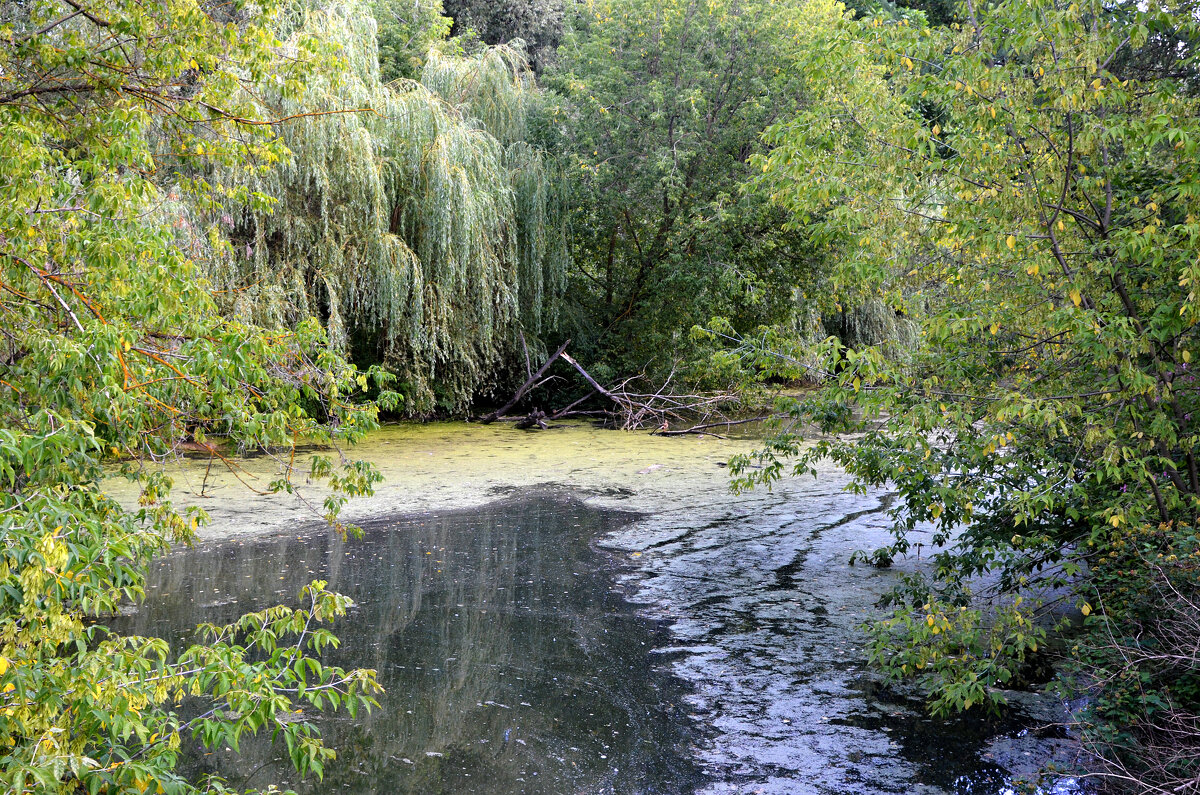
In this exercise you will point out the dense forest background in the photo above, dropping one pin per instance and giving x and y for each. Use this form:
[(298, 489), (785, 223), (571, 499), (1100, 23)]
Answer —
[(968, 230)]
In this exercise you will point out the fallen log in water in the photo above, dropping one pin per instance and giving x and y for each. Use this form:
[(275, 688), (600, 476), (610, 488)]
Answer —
[(630, 410), (703, 428), (525, 387)]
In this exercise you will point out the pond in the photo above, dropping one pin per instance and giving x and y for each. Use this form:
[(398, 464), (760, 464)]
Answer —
[(605, 617), (509, 662)]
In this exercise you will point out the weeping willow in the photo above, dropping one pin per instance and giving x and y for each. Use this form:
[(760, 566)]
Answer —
[(875, 323), (425, 233)]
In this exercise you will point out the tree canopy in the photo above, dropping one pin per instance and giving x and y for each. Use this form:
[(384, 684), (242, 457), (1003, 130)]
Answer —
[(1023, 185), (357, 231), (114, 351), (668, 102)]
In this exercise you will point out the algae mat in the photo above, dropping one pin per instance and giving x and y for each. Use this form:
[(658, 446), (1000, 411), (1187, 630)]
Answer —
[(444, 466)]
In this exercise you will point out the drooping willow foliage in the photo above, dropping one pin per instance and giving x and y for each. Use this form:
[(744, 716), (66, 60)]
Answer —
[(425, 232)]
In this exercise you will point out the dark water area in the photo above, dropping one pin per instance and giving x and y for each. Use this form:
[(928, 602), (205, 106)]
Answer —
[(538, 645), (510, 662)]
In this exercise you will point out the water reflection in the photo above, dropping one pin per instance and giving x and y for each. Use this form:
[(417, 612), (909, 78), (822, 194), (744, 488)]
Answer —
[(768, 624), (510, 663)]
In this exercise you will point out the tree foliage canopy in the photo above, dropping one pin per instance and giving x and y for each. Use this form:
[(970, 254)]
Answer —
[(538, 23), (1025, 185), (114, 351), (667, 104), (417, 223)]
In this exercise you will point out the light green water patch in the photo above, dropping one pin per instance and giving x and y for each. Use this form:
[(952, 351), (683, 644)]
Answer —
[(447, 465)]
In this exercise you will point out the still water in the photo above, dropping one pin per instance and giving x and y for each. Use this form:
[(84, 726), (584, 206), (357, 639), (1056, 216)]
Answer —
[(616, 622), (510, 663)]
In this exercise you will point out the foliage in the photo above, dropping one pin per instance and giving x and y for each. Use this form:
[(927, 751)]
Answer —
[(935, 12), (957, 653), (113, 352), (405, 33), (667, 103), (538, 23), (1025, 187), (1142, 647), (417, 223)]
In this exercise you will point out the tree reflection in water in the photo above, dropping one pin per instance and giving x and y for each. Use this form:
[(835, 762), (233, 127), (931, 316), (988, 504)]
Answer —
[(510, 662)]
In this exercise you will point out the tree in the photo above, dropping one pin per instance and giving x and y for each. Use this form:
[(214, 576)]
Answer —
[(417, 223), (667, 104), (406, 32), (1024, 186), (538, 23), (113, 351)]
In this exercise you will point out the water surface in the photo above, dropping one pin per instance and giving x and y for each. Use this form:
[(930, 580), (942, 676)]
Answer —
[(510, 664), (713, 644)]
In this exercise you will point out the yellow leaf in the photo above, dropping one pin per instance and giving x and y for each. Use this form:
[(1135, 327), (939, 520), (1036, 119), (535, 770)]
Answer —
[(1187, 357), (1116, 520), (993, 111), (1086, 609), (3, 665), (1076, 297), (995, 328), (1011, 242)]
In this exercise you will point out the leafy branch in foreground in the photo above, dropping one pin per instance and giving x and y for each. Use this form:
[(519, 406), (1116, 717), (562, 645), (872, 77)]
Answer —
[(112, 352), (1025, 187)]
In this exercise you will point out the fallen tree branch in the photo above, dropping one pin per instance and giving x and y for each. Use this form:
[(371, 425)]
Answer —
[(706, 426), (631, 410), (525, 387), (587, 377), (558, 415)]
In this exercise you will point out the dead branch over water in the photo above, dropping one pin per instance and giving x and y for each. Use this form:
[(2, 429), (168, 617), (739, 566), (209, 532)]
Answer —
[(632, 404)]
